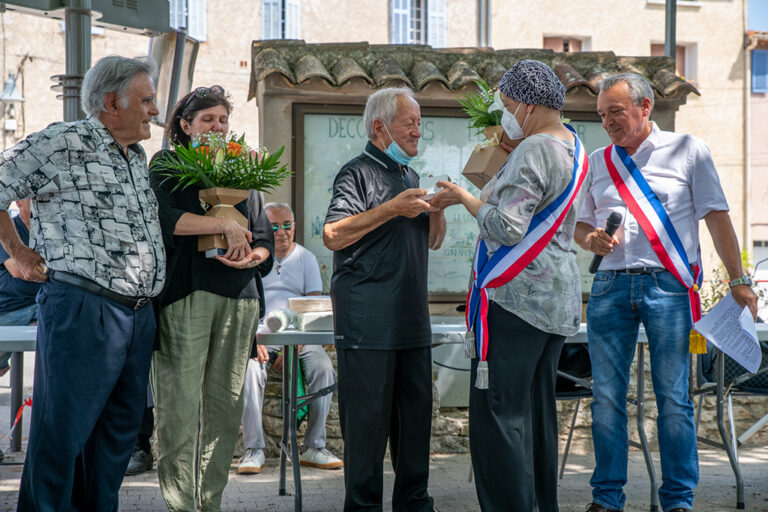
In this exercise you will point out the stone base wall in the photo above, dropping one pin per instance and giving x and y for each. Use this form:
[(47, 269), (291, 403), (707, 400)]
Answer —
[(450, 426)]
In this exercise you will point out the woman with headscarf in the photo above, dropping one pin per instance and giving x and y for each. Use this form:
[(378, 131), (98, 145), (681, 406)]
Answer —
[(526, 293), (209, 314)]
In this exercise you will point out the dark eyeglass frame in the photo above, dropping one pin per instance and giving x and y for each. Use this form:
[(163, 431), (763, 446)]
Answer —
[(286, 226), (201, 92)]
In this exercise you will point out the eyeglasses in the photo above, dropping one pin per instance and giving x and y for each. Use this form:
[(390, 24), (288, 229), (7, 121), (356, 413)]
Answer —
[(286, 227), (202, 92)]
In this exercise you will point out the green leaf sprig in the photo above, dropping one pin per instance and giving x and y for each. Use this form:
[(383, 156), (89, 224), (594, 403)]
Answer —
[(477, 107)]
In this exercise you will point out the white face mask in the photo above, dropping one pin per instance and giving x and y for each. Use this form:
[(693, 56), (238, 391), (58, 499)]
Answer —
[(510, 124)]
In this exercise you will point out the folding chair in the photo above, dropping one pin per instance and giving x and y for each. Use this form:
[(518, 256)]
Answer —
[(574, 382), (720, 376)]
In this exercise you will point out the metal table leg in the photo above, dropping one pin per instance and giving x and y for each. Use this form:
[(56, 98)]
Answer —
[(723, 434), (641, 426), (17, 393), (292, 420), (286, 410)]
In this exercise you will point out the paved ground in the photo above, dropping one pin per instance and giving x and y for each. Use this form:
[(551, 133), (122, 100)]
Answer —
[(323, 490)]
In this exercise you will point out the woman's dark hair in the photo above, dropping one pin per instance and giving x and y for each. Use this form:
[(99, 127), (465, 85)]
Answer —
[(201, 98)]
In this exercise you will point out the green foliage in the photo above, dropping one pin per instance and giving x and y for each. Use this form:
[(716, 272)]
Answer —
[(225, 162), (716, 287), (476, 106)]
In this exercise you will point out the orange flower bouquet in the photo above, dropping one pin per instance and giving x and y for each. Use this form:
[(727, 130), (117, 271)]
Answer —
[(223, 161)]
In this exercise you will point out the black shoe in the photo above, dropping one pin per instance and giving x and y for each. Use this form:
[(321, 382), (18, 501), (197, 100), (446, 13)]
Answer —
[(595, 507), (2, 455), (140, 462)]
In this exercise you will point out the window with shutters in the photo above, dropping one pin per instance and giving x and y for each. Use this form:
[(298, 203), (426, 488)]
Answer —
[(189, 15), (418, 22), (196, 25), (436, 23), (280, 19), (760, 71)]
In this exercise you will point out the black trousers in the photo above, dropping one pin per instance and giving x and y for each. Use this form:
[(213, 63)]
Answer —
[(386, 394), (513, 423)]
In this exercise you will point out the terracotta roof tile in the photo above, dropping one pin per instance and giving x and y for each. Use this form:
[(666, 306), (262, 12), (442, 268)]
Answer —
[(417, 65)]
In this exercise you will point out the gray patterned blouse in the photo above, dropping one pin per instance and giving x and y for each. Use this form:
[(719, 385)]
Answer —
[(93, 211), (547, 293)]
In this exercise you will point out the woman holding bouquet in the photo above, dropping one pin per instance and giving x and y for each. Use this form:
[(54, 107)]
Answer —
[(209, 313), (526, 293)]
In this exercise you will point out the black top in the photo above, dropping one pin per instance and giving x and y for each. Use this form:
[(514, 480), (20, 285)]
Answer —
[(188, 269), (379, 284), (16, 294)]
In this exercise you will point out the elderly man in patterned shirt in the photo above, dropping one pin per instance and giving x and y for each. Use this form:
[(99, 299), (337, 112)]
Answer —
[(96, 244)]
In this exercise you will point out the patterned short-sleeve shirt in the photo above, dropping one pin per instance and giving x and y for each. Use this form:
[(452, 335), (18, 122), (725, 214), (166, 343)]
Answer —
[(93, 211)]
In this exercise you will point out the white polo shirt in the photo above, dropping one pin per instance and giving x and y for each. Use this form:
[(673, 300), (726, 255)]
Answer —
[(680, 171), (295, 275)]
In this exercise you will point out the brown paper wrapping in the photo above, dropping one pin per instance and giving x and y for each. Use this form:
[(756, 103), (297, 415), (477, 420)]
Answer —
[(222, 201), (488, 158)]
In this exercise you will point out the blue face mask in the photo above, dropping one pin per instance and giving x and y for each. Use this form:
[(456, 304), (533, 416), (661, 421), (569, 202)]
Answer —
[(395, 152)]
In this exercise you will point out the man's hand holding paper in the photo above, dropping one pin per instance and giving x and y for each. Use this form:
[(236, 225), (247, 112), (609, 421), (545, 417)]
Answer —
[(731, 328)]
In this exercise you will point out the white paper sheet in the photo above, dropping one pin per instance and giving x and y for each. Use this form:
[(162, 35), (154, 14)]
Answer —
[(430, 185), (731, 328)]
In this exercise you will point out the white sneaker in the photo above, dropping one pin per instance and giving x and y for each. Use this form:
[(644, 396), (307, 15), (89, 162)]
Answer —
[(252, 462), (320, 458)]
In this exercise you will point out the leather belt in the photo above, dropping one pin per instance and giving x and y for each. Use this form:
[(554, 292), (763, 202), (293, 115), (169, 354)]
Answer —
[(96, 289), (636, 271)]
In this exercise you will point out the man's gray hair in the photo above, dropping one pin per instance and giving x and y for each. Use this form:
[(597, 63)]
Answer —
[(383, 105), (280, 205), (112, 74), (639, 87)]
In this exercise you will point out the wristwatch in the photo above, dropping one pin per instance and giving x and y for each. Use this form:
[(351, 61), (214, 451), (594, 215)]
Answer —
[(745, 279)]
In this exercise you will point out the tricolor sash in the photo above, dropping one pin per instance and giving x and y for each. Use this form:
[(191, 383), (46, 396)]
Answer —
[(657, 226), (508, 261)]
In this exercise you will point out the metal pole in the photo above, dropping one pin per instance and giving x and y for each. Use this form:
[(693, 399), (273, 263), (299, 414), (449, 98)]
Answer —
[(481, 37), (77, 19), (487, 23), (670, 29), (173, 90), (17, 396)]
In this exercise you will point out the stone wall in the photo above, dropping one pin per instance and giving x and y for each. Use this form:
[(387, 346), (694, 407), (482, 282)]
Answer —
[(450, 426)]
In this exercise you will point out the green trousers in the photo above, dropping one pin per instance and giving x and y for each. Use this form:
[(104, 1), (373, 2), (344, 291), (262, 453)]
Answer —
[(197, 377)]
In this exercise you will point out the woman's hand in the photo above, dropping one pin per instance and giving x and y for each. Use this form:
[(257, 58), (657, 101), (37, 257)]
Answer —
[(252, 259), (238, 240), (450, 195)]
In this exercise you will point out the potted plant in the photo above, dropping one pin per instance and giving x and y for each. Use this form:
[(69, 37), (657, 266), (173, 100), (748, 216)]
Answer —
[(226, 169), (484, 110)]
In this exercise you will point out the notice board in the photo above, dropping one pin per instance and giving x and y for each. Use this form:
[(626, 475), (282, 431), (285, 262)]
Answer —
[(328, 136)]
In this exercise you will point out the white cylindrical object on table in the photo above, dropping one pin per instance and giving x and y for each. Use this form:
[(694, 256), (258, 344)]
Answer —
[(279, 319)]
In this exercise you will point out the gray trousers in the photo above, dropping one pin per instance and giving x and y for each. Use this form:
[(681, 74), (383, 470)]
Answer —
[(318, 373)]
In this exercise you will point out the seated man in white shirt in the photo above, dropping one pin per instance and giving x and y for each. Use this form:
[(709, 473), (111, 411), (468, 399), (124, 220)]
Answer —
[(295, 273)]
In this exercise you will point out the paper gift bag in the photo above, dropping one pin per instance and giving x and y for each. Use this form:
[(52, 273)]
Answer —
[(488, 158), (483, 164)]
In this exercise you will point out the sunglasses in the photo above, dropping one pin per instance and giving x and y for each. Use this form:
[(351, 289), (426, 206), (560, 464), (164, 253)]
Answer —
[(202, 92), (286, 227)]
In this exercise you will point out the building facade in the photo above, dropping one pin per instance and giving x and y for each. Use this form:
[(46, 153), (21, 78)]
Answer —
[(711, 55)]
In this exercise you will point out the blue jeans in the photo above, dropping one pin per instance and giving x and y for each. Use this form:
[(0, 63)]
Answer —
[(24, 316), (618, 303)]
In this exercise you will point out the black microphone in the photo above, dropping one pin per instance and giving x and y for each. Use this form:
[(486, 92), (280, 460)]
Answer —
[(611, 225)]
